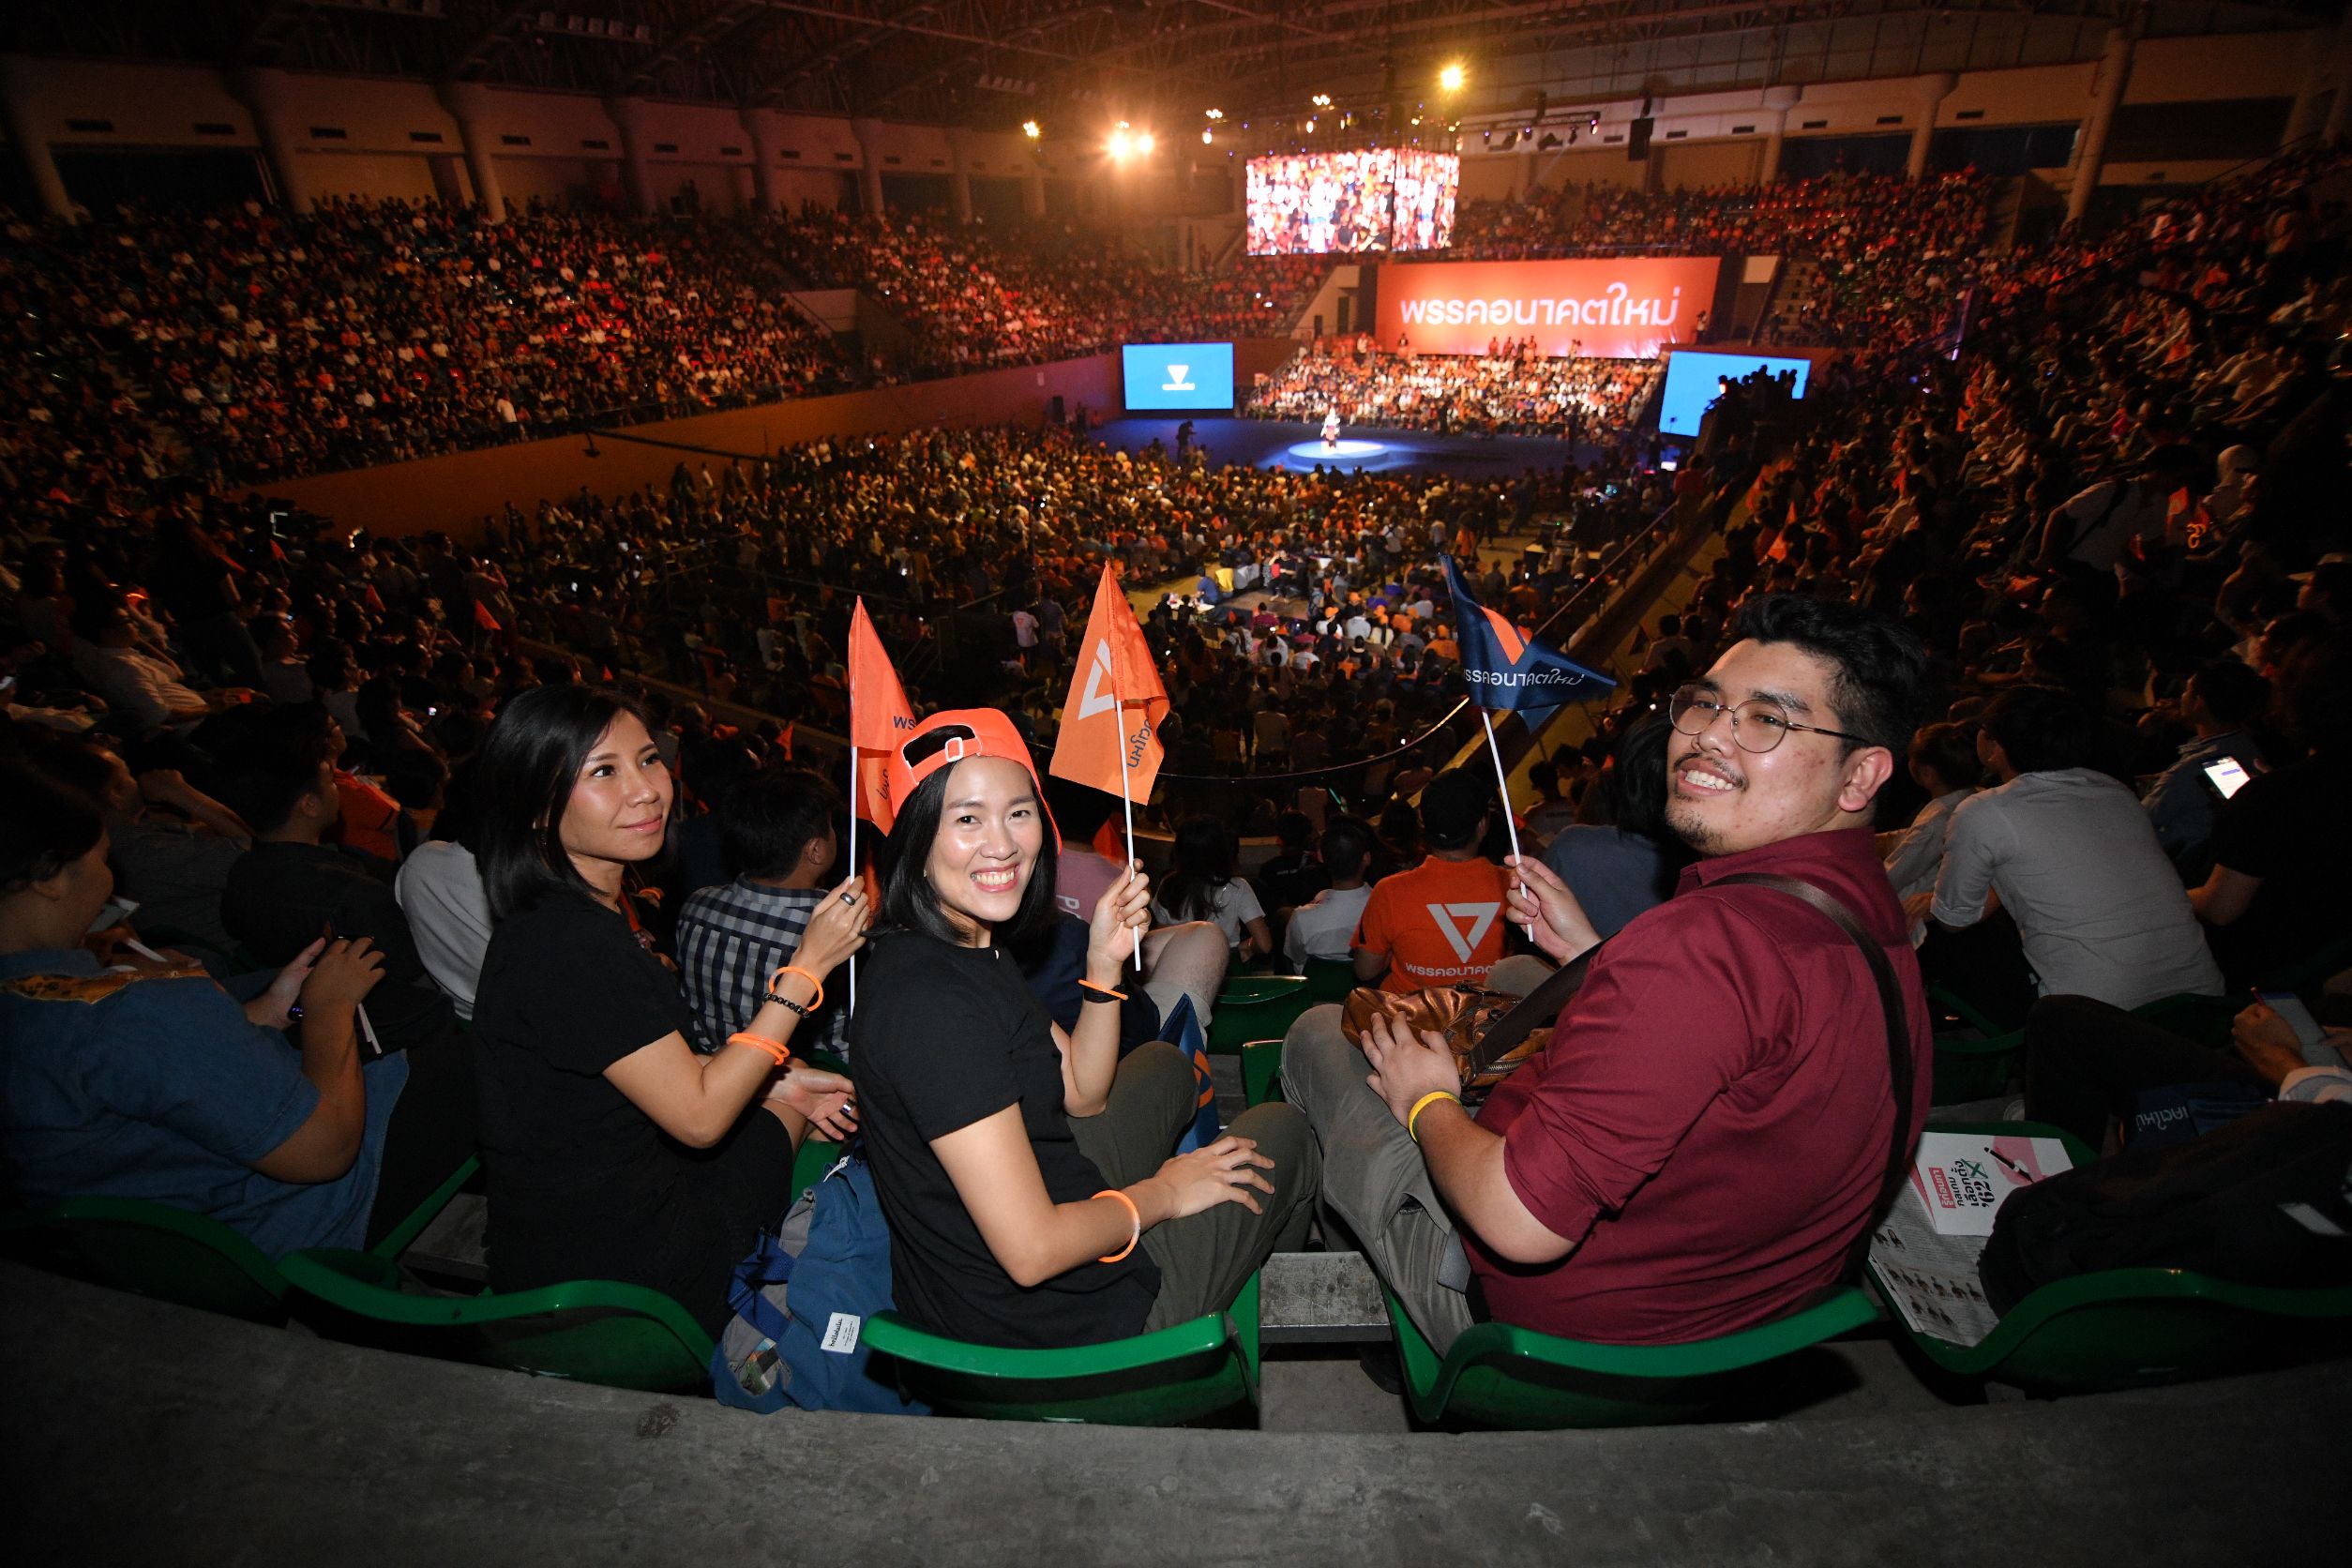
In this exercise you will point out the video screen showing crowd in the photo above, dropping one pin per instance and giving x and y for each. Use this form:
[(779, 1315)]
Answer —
[(1371, 199)]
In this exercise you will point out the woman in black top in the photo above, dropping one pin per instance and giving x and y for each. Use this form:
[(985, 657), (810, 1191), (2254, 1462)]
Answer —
[(1020, 1167), (613, 1150)]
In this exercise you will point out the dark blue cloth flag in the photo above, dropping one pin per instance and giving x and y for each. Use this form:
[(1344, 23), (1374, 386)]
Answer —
[(1505, 669)]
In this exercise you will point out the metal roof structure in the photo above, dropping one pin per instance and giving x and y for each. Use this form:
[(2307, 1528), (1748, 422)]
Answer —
[(995, 63)]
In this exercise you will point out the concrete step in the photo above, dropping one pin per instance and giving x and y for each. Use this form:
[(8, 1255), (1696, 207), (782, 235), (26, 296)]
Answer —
[(1311, 1298)]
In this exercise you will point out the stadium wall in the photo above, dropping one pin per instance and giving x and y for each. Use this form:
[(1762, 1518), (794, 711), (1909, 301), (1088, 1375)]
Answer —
[(455, 493)]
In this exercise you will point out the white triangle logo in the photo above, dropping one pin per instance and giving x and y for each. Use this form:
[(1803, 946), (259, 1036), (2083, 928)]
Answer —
[(1176, 382), (1465, 941), (1095, 700)]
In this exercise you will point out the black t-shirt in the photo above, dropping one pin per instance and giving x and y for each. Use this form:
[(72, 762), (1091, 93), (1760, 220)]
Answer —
[(582, 1184), (946, 1036), (2288, 828)]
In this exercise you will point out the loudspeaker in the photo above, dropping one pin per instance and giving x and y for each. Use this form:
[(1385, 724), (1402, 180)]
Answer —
[(1637, 138)]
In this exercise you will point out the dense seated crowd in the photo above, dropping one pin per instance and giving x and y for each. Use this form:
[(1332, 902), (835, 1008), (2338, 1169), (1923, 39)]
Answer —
[(1890, 256), (975, 302), (249, 344), (1972, 603), (1512, 390)]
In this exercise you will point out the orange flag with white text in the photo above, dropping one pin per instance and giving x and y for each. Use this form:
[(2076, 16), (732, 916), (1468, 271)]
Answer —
[(1115, 705), (880, 720)]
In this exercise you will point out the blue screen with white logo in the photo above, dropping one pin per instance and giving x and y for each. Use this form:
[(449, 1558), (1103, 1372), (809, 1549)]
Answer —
[(1691, 383), (1177, 375)]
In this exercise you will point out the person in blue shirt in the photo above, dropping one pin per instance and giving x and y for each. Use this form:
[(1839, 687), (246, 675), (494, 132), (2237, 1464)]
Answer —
[(146, 1080)]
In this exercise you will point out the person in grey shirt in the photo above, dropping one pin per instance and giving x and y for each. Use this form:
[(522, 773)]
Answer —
[(2099, 911), (1943, 763)]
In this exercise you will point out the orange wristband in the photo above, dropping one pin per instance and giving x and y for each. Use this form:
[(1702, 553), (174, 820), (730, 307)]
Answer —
[(814, 1002), (1133, 1213), (762, 1042), (1104, 991)]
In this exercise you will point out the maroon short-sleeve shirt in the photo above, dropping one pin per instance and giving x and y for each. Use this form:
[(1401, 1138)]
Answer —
[(1711, 1119)]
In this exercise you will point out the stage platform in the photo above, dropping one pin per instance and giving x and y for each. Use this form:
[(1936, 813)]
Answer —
[(1282, 444)]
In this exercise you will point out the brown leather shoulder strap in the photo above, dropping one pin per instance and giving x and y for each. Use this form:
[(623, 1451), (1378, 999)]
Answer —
[(1901, 1076)]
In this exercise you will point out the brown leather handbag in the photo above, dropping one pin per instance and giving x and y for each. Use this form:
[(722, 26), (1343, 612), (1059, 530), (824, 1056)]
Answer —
[(1490, 1032)]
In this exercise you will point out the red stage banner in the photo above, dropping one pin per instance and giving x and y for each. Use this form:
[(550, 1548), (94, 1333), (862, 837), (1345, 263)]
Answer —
[(1621, 308)]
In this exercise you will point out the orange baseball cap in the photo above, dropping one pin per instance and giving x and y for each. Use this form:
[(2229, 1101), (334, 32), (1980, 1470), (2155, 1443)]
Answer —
[(947, 738)]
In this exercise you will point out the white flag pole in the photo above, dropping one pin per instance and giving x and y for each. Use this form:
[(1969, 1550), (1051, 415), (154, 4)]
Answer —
[(1127, 800), (849, 964), (1502, 782)]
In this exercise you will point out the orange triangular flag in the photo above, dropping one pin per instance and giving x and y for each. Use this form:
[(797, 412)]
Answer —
[(880, 718), (1115, 705), (484, 619)]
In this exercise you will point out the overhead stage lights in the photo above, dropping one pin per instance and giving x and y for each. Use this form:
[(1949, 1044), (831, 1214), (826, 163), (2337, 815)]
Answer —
[(1031, 129), (1452, 77)]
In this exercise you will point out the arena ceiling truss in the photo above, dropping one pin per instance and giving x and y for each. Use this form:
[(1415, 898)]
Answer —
[(992, 63)]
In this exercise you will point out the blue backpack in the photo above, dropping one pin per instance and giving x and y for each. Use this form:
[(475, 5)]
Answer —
[(797, 1336)]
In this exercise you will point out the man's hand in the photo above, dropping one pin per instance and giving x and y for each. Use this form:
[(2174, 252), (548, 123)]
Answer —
[(1918, 908), (273, 1007), (824, 1100), (1405, 1067), (1539, 900), (2267, 1041)]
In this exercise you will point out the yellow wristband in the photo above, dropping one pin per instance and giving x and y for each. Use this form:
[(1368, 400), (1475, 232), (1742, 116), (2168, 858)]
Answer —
[(1422, 1104)]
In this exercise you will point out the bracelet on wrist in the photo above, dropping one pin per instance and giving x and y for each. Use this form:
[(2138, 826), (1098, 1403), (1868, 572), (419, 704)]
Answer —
[(1421, 1105), (1100, 993), (1134, 1214), (774, 1049), (803, 1008)]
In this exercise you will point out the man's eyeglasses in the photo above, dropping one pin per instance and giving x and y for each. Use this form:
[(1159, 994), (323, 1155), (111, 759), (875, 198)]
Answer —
[(1758, 725)]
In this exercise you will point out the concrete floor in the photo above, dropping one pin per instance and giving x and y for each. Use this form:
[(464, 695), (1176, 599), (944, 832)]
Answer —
[(140, 1433)]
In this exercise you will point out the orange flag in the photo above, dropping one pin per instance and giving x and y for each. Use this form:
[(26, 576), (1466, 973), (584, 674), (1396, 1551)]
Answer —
[(880, 719), (1115, 705)]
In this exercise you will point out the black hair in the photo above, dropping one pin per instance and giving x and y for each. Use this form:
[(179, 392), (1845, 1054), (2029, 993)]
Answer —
[(1201, 864), (1636, 778), (1544, 777), (264, 778), (1293, 829), (1948, 750), (1451, 806), (767, 819), (1880, 667), (911, 903), (2235, 694), (2314, 694), (46, 825), (1348, 845), (2042, 728), (529, 762)]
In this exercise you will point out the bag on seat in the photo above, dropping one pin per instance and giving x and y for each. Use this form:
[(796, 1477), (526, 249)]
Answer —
[(797, 1335), (2260, 1201)]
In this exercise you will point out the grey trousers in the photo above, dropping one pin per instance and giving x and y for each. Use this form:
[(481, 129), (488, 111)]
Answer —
[(1374, 1176), (1204, 1259)]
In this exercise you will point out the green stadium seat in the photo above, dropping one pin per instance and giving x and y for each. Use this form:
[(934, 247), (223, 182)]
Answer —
[(1192, 1372), (153, 1250), (2130, 1328), (1973, 1067), (1514, 1379), (1256, 1007), (1262, 1072), (590, 1331), (1330, 980)]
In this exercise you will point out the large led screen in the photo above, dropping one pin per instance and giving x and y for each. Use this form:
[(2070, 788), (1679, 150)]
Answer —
[(1694, 380), (1621, 308), (1192, 376), (1372, 199)]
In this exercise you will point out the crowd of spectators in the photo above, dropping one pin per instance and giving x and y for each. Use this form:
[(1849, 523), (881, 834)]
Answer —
[(2114, 527), (976, 301), (1510, 390)]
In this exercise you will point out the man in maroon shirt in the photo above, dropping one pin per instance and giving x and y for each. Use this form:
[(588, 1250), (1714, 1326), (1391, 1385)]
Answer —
[(1704, 1137)]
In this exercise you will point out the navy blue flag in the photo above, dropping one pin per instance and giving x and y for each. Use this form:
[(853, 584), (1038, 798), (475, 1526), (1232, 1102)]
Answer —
[(1507, 670)]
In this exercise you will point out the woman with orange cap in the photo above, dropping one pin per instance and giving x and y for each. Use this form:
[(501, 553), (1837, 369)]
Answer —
[(1026, 1173)]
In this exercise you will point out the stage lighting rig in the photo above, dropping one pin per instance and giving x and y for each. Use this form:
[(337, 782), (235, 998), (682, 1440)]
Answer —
[(1032, 130), (1453, 79)]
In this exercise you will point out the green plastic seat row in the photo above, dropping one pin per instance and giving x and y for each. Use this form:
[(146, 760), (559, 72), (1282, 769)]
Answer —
[(1498, 1375), (1189, 1372), (1252, 1006), (2129, 1328)]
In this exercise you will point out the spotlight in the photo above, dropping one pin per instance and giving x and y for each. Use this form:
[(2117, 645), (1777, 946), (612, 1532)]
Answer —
[(1030, 129), (1144, 143), (1208, 137), (1121, 143), (1452, 77)]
